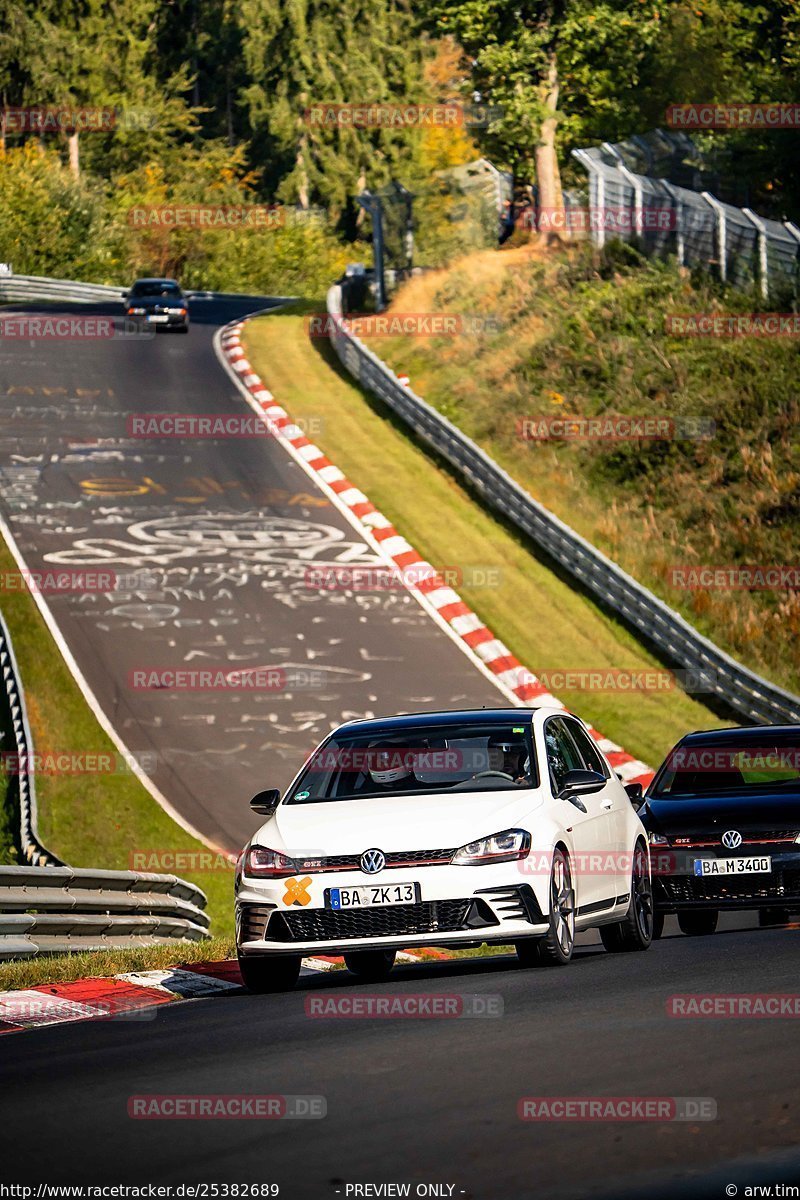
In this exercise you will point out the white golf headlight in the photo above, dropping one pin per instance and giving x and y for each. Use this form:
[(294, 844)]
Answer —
[(500, 847)]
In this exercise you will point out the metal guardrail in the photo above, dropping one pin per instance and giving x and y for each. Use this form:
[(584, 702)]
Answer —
[(37, 287), (61, 909), (46, 907), (22, 783), (716, 673), (31, 288)]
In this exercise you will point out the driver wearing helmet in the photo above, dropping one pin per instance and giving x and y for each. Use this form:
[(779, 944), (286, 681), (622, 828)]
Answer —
[(391, 767), (508, 754)]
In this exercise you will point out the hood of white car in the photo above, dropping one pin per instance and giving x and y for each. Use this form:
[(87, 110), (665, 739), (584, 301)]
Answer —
[(403, 822)]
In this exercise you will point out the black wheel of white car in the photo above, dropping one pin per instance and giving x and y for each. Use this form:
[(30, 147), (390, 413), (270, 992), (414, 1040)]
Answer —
[(636, 931), (555, 949), (698, 924), (370, 965), (269, 973)]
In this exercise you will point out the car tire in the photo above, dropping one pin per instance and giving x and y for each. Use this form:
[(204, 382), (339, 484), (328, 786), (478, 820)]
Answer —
[(555, 949), (636, 931), (658, 924), (768, 918), (275, 973), (370, 965), (698, 924)]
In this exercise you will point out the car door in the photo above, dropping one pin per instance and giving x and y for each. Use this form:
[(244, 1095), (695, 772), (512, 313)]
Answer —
[(615, 803), (585, 817)]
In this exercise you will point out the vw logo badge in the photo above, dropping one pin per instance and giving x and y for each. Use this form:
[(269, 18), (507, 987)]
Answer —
[(373, 861), (732, 839)]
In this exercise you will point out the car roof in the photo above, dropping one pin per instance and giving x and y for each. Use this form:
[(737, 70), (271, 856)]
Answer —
[(423, 720), (155, 279), (737, 733)]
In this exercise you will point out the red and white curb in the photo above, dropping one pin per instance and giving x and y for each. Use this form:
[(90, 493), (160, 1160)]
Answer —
[(441, 601), (136, 995)]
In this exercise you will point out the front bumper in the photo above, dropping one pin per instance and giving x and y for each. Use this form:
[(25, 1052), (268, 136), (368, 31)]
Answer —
[(457, 906), (679, 889), (155, 321)]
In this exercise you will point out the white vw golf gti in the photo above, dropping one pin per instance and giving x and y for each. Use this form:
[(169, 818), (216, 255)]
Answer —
[(443, 829)]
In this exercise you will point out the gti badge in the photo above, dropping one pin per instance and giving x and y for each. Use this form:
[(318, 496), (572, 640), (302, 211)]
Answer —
[(732, 839), (373, 861)]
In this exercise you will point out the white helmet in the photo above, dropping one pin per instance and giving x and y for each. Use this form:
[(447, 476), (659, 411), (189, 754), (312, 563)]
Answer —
[(388, 763)]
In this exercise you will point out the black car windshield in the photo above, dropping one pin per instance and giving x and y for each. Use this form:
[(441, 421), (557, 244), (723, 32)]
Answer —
[(156, 289), (471, 757), (756, 761)]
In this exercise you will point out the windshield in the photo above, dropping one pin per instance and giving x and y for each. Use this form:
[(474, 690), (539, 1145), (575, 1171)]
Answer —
[(156, 289), (751, 763), (468, 757)]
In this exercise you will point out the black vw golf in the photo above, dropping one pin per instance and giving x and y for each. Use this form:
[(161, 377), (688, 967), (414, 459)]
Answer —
[(723, 819)]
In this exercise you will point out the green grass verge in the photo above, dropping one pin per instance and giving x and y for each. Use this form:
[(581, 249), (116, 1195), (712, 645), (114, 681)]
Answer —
[(92, 820), (585, 335), (97, 964), (537, 614)]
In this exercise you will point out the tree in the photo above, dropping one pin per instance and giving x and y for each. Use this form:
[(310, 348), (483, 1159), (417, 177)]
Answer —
[(529, 59), (300, 54)]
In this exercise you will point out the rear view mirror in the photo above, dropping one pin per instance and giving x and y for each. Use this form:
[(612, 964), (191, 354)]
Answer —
[(635, 794), (265, 803), (580, 783)]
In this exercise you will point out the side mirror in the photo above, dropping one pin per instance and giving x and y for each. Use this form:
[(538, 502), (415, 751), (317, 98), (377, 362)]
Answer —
[(635, 794), (581, 783), (265, 803)]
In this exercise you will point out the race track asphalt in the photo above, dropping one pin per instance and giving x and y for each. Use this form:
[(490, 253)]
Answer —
[(429, 1100), (211, 543)]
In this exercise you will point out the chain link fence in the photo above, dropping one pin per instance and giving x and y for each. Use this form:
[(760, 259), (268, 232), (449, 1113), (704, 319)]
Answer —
[(735, 244)]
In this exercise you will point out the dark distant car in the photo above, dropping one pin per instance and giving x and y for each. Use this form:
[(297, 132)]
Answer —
[(723, 820), (158, 304)]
